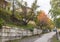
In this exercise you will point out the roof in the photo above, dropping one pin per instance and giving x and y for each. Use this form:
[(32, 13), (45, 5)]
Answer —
[(4, 2)]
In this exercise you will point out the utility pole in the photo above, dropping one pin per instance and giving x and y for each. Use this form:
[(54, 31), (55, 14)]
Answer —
[(13, 9), (56, 33), (56, 28)]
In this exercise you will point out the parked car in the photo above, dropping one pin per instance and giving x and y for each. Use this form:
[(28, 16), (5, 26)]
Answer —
[(46, 30), (54, 30)]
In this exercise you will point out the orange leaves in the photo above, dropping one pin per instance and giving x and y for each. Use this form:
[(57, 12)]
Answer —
[(44, 20), (42, 17)]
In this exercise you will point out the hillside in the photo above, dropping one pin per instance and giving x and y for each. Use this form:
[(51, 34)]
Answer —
[(6, 18), (6, 15)]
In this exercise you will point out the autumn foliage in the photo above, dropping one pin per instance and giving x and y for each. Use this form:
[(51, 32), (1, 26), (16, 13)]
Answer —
[(42, 17), (44, 20)]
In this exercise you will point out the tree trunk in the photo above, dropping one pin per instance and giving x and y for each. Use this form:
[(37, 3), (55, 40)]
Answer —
[(0, 26)]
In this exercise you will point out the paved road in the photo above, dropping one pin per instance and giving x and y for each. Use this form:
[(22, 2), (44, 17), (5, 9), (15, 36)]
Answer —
[(30, 39), (45, 37)]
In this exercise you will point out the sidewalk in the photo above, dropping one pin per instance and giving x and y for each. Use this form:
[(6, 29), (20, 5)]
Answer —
[(45, 37)]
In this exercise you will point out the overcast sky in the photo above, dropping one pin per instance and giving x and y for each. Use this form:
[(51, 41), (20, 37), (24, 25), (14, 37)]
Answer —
[(44, 4)]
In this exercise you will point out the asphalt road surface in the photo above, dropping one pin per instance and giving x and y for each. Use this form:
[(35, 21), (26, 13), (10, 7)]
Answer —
[(46, 37), (30, 39)]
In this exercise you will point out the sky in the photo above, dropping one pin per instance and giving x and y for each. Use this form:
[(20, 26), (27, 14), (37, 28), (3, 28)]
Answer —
[(44, 5)]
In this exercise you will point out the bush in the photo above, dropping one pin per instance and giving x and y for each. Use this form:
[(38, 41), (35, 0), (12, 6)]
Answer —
[(1, 22)]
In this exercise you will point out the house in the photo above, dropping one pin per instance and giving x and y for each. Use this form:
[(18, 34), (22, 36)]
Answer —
[(24, 9), (4, 4), (32, 22), (27, 10)]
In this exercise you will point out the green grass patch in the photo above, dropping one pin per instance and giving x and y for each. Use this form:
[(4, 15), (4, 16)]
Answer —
[(54, 39), (29, 26), (16, 40)]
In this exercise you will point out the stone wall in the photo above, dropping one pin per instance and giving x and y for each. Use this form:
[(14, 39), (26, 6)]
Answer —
[(9, 33), (13, 31)]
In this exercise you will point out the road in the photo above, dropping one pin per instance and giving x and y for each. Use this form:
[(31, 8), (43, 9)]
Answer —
[(45, 37), (30, 39)]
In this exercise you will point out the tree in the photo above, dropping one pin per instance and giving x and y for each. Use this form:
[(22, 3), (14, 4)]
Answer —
[(13, 5), (44, 22), (27, 16), (42, 18), (1, 23), (58, 22), (55, 12), (50, 24)]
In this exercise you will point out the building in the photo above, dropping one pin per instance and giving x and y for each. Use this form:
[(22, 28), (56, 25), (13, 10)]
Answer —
[(4, 4), (25, 9), (32, 22)]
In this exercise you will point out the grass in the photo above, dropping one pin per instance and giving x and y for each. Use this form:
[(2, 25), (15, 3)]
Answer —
[(54, 39), (17, 40), (29, 26)]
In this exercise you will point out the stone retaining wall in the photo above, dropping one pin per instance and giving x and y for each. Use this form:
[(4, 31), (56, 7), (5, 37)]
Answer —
[(8, 32)]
